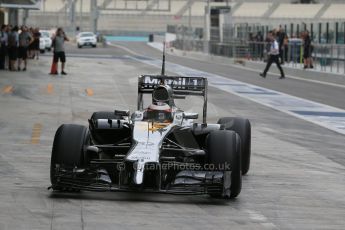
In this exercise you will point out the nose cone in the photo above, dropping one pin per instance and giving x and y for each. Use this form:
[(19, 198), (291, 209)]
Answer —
[(139, 173)]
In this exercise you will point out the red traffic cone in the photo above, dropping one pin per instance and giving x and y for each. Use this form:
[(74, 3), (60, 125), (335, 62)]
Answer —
[(54, 67)]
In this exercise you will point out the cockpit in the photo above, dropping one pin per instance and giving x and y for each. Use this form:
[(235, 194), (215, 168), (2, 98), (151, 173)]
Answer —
[(161, 108), (159, 112)]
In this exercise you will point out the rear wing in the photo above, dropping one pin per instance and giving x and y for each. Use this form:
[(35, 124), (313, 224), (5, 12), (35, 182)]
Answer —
[(181, 86)]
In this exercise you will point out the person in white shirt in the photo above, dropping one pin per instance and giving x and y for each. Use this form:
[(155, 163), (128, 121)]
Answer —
[(273, 56)]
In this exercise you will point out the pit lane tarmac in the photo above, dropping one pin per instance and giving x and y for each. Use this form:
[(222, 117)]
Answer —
[(296, 180)]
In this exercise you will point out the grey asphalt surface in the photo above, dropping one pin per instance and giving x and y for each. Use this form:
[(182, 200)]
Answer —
[(296, 180)]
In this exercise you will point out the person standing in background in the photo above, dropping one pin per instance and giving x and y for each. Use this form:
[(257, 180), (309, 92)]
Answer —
[(260, 44), (273, 56), (280, 37), (36, 43), (13, 48), (25, 40), (3, 46), (286, 47), (267, 45), (251, 46), (31, 49), (307, 50), (59, 49)]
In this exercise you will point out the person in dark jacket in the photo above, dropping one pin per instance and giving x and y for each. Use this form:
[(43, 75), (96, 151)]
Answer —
[(260, 44), (307, 50), (3, 46), (13, 48), (286, 48), (36, 43), (280, 38)]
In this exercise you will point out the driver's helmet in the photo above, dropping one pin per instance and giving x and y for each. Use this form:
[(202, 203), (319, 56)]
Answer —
[(159, 112)]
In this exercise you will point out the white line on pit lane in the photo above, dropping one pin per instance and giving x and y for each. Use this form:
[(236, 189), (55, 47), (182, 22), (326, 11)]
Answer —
[(123, 48), (257, 217), (294, 77), (159, 46), (323, 115)]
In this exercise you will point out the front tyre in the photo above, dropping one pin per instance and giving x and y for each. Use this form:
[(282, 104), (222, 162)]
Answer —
[(223, 148), (243, 128), (69, 145)]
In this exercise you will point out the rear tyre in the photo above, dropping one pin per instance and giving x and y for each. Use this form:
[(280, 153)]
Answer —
[(243, 128), (79, 46), (69, 146), (223, 148)]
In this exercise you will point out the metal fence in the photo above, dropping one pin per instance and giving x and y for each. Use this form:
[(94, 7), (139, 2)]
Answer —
[(325, 57)]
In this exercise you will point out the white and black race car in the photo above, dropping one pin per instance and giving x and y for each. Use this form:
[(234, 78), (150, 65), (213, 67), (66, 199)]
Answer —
[(155, 149)]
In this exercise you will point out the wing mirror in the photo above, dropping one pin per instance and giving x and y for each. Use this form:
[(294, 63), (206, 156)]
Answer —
[(190, 116), (92, 152), (122, 113), (179, 96)]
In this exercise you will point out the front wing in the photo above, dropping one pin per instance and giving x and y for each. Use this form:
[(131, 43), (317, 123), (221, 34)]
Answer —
[(185, 182)]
